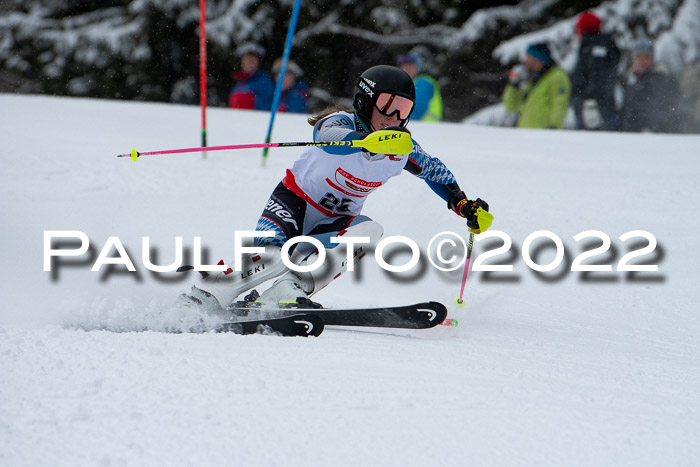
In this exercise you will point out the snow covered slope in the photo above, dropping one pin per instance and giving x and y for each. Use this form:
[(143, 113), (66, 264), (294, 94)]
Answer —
[(554, 368)]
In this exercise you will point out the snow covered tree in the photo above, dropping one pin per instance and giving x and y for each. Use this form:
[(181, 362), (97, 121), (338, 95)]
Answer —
[(148, 49)]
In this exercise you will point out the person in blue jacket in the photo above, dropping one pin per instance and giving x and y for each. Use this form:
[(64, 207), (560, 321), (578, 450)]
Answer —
[(428, 97), (294, 91), (254, 88)]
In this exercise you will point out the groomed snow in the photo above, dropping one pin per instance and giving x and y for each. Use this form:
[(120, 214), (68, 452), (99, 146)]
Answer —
[(558, 368)]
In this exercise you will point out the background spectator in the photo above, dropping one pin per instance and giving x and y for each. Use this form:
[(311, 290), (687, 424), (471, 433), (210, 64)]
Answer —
[(651, 100), (690, 85), (428, 98), (595, 74), (254, 88), (539, 91), (294, 91)]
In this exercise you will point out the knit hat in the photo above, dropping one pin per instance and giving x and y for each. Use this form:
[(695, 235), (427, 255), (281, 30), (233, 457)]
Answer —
[(291, 67), (414, 58), (588, 22), (251, 48), (540, 51), (643, 46)]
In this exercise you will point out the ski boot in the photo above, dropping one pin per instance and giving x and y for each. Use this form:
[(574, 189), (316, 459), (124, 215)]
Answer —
[(215, 291), (294, 288)]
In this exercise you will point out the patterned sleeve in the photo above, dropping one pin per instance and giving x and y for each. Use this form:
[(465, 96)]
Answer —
[(337, 127), (433, 171)]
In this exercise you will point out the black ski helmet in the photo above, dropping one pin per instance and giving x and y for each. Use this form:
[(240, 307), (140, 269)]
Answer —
[(377, 80)]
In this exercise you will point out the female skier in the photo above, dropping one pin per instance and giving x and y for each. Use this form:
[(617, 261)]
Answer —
[(322, 196)]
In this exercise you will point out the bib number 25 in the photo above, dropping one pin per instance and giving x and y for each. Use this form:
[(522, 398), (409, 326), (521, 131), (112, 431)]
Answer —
[(333, 203)]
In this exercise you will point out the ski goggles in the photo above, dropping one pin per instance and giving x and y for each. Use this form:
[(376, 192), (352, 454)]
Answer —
[(389, 104)]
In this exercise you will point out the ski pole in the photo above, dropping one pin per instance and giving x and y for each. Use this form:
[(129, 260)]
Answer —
[(280, 77), (380, 142), (460, 300)]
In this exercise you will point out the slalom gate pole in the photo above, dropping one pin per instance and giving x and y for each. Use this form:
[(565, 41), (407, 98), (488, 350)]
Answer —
[(380, 142), (203, 69), (280, 78), (460, 300)]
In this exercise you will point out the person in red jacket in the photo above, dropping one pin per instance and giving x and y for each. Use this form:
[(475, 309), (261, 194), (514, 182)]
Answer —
[(254, 88)]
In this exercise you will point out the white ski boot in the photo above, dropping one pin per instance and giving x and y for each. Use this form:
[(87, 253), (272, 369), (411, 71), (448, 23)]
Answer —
[(215, 291), (288, 291), (294, 288)]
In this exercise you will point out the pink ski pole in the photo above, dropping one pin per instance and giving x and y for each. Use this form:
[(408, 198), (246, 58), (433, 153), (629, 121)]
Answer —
[(134, 154), (380, 142), (460, 300)]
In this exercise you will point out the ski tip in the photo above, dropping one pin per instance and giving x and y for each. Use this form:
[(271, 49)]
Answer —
[(134, 154), (450, 322), (459, 301)]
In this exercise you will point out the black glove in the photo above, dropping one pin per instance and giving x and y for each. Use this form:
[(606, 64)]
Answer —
[(467, 209), (473, 211)]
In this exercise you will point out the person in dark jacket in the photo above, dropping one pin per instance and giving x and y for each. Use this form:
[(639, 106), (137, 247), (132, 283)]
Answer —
[(651, 102), (690, 86), (295, 92), (254, 88), (595, 74)]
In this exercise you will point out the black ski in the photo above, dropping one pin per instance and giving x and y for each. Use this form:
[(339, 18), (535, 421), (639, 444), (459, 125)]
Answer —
[(297, 325), (417, 316)]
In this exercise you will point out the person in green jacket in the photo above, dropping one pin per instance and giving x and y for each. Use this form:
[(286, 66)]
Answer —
[(538, 90)]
